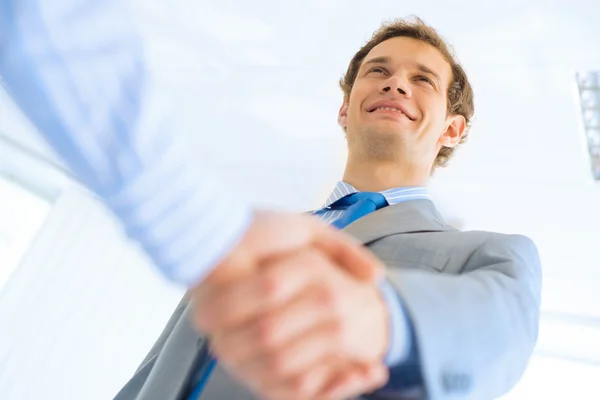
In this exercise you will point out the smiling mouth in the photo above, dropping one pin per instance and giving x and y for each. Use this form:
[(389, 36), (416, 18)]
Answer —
[(391, 109)]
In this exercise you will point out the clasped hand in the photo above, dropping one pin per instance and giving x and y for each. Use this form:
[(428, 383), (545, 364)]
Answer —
[(294, 311)]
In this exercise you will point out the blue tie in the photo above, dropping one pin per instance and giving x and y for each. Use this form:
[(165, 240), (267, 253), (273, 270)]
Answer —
[(199, 380), (357, 205)]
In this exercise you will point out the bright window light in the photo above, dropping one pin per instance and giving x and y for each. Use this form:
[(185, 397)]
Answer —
[(588, 84), (21, 215)]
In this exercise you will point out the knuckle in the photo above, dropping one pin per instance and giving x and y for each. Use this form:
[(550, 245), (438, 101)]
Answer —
[(311, 257), (301, 385), (317, 261), (330, 298), (271, 286), (277, 365), (337, 330), (266, 333)]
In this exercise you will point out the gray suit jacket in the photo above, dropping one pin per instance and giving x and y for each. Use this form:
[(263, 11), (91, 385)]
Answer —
[(473, 298)]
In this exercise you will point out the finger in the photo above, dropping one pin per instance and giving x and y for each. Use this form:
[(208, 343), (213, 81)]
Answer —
[(241, 301), (295, 356), (274, 329), (308, 384), (269, 235), (350, 255), (276, 233), (363, 378)]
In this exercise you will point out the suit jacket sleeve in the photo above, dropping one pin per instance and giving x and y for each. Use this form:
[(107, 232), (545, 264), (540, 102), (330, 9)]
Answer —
[(475, 331)]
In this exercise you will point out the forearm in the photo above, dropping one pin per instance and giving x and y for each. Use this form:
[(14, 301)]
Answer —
[(402, 357), (78, 71), (475, 331), (399, 341)]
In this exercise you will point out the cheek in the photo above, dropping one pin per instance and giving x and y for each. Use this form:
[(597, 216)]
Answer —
[(435, 113), (354, 110), (356, 99)]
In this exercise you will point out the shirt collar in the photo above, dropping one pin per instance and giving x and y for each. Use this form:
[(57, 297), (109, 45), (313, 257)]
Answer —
[(393, 196)]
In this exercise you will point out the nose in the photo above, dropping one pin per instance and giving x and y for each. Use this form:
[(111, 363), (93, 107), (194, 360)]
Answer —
[(396, 83)]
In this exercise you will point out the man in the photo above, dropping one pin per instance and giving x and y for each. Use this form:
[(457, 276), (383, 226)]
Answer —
[(456, 315)]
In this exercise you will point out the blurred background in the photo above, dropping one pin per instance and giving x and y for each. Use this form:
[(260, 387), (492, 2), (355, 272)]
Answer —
[(254, 86)]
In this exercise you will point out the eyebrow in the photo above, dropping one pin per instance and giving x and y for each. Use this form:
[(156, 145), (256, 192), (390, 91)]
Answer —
[(377, 60), (387, 60), (426, 70)]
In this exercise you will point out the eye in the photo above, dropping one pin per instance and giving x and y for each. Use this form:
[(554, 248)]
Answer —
[(378, 70), (423, 78)]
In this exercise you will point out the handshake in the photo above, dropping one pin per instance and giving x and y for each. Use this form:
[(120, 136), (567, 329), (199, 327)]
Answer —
[(294, 311)]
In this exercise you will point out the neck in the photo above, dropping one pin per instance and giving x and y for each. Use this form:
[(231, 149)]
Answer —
[(376, 176)]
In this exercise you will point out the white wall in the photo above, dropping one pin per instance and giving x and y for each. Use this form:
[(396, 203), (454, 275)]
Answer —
[(81, 311)]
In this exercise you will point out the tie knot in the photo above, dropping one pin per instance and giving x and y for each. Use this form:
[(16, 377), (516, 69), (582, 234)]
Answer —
[(377, 198)]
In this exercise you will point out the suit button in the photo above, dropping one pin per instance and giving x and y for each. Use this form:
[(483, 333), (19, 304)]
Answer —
[(456, 382)]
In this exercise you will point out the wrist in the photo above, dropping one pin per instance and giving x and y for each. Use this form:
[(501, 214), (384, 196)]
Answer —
[(382, 335), (397, 345), (238, 261)]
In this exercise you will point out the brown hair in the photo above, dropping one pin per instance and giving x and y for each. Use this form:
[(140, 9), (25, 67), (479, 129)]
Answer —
[(460, 93)]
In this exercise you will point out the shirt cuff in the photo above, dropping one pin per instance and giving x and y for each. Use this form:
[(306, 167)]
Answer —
[(400, 340)]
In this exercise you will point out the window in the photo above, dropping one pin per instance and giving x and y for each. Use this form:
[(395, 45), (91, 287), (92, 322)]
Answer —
[(21, 215), (588, 84)]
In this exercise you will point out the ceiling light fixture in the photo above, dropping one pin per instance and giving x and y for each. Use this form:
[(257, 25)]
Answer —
[(588, 84)]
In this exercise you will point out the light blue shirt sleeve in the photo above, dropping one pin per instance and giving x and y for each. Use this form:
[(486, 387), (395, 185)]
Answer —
[(78, 71), (402, 357), (399, 338)]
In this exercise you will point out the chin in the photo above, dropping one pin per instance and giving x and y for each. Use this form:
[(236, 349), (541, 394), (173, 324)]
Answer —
[(387, 130)]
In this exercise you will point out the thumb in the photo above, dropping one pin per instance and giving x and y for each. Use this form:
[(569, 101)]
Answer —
[(350, 255), (358, 378)]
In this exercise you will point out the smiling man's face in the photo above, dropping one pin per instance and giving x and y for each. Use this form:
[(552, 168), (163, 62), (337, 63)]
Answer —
[(397, 109)]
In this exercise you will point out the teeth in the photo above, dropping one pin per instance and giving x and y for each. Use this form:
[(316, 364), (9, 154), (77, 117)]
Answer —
[(389, 109)]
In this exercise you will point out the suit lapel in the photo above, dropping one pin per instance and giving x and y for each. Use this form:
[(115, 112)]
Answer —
[(174, 365), (407, 217)]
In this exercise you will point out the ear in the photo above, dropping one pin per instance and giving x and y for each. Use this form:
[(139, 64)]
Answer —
[(343, 115), (454, 131)]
